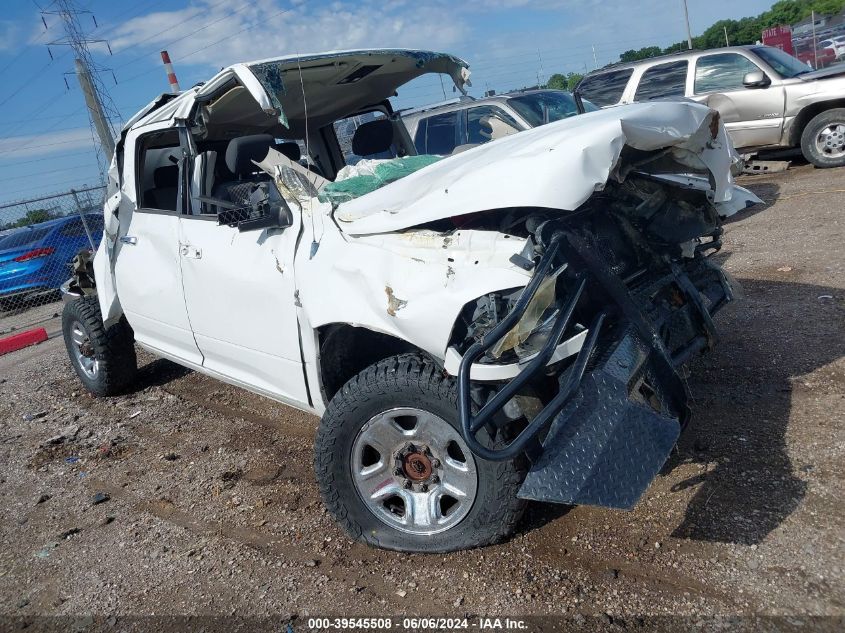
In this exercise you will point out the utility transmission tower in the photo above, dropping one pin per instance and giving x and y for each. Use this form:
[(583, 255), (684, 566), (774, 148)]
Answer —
[(102, 113)]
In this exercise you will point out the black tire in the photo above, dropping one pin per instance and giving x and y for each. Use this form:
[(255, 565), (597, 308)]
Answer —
[(113, 348), (408, 380), (813, 130)]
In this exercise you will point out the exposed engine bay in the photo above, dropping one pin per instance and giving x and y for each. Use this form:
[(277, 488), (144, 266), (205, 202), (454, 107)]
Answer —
[(628, 280)]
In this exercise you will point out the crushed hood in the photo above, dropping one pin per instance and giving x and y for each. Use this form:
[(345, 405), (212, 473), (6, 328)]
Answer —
[(556, 166)]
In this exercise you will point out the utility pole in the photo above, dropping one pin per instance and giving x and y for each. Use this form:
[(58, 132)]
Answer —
[(95, 108), (101, 110), (686, 17), (727, 41), (815, 46)]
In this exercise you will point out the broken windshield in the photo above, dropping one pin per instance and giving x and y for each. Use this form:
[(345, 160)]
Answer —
[(539, 108)]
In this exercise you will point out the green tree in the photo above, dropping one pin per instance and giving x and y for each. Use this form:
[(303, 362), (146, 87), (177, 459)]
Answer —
[(747, 30), (642, 53), (557, 82), (572, 80)]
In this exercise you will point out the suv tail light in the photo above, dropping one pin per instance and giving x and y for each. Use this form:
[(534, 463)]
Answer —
[(35, 253)]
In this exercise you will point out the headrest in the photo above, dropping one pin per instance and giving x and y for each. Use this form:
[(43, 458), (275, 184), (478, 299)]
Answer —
[(291, 150), (373, 137), (165, 177), (242, 151)]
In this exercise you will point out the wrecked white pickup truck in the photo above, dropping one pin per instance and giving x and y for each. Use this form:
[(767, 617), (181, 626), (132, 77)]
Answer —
[(475, 330)]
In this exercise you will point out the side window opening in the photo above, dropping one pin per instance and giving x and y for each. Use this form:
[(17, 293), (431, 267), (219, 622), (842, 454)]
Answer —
[(607, 88), (722, 72), (158, 171), (663, 80), (367, 135)]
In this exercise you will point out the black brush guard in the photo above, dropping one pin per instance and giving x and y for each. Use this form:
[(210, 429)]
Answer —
[(620, 405)]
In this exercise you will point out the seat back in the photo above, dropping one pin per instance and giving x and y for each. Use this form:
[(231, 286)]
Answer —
[(373, 138), (166, 190)]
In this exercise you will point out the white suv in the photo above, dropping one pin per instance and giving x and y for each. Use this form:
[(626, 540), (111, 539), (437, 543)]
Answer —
[(475, 330)]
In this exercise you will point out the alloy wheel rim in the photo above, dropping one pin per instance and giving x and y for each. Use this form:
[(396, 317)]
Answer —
[(83, 350), (831, 140), (413, 471)]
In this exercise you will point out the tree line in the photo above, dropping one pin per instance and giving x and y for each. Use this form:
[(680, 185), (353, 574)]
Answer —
[(745, 30), (742, 31)]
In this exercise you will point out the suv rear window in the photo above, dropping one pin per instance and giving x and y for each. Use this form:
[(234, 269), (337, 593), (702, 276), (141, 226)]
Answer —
[(605, 89), (437, 134), (663, 80)]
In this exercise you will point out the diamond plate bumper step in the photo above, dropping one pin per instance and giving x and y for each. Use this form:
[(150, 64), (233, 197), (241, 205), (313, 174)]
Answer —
[(608, 443)]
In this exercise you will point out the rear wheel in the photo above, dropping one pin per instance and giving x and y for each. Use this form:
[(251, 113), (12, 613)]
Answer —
[(823, 139), (103, 358), (395, 472)]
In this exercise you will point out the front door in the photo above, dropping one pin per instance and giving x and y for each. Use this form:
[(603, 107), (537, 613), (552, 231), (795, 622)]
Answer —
[(752, 116), (240, 294), (147, 271)]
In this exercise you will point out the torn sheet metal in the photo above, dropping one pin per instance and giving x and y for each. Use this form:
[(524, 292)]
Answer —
[(741, 198), (556, 166)]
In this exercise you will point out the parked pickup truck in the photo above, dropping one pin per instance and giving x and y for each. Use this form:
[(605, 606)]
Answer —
[(767, 98), (475, 330)]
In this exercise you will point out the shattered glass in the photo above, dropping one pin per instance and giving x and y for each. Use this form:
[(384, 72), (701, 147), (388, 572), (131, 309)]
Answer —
[(270, 76)]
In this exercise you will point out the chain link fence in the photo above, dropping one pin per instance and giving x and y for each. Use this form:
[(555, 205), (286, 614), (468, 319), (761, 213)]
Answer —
[(39, 238)]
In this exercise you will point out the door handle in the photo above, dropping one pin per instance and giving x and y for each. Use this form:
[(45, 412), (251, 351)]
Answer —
[(190, 252), (129, 239)]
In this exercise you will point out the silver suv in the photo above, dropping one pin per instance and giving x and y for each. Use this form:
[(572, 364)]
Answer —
[(766, 97), (451, 127)]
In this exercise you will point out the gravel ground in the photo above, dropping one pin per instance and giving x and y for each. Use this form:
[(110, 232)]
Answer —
[(209, 506)]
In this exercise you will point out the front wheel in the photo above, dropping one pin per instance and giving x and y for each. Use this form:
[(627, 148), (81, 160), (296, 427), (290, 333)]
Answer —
[(103, 357), (395, 472), (823, 140)]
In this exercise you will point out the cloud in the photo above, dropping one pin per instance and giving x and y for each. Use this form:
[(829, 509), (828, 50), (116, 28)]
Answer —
[(44, 144), (9, 35), (216, 34)]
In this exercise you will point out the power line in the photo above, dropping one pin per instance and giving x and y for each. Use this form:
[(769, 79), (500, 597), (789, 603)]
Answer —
[(53, 171), (53, 156), (216, 42), (170, 28), (101, 108)]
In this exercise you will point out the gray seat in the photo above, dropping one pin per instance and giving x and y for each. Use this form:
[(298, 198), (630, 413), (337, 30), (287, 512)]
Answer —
[(240, 154), (164, 194)]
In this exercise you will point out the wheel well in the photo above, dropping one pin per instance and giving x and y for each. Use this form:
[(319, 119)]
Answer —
[(346, 350), (804, 117)]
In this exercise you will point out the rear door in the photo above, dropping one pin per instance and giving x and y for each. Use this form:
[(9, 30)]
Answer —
[(753, 117), (147, 272)]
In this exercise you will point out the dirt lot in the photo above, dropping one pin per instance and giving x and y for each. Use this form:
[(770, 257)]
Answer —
[(213, 507)]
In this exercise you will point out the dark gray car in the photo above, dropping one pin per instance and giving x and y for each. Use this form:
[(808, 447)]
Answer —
[(451, 127)]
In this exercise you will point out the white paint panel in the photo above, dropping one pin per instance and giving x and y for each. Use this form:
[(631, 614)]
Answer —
[(239, 289), (149, 285)]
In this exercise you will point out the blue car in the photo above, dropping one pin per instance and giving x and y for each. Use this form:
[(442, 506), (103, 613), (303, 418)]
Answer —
[(36, 259)]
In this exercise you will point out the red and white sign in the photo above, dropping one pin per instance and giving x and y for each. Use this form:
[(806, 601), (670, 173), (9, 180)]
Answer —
[(779, 37)]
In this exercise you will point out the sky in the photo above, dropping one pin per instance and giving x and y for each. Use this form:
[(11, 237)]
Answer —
[(45, 140)]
